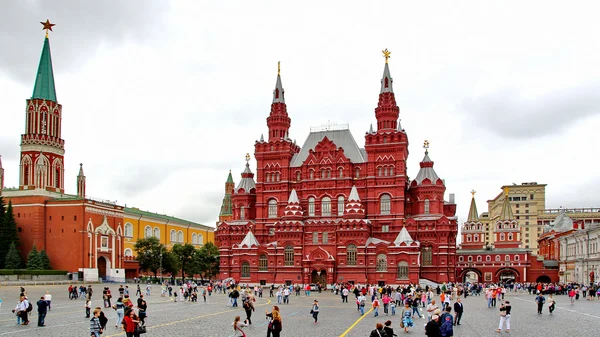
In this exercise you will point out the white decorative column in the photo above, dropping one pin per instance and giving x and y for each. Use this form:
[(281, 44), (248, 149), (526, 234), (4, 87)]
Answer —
[(113, 265), (95, 250), (90, 251)]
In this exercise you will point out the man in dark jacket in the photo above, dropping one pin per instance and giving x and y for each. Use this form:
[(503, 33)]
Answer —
[(458, 311), (42, 307), (379, 332), (432, 329)]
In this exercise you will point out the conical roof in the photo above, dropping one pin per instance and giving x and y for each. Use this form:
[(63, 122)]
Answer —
[(249, 240), (386, 80), (473, 215), (506, 214), (247, 183), (403, 237), (278, 93), (426, 171), (354, 206), (81, 170), (44, 81), (230, 178), (293, 208)]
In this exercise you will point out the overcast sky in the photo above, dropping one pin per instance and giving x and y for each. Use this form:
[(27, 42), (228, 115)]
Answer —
[(161, 99)]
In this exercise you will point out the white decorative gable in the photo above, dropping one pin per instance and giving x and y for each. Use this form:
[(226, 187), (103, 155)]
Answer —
[(104, 228)]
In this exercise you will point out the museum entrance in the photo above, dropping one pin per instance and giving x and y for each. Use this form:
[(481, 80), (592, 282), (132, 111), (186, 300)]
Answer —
[(507, 276), (543, 279), (471, 277), (319, 277), (102, 266)]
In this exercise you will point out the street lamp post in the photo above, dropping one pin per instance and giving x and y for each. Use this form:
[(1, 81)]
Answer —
[(161, 275)]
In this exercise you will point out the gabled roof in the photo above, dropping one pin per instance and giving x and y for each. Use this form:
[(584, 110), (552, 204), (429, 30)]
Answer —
[(561, 223), (341, 138), (403, 237), (376, 241), (249, 240), (44, 80)]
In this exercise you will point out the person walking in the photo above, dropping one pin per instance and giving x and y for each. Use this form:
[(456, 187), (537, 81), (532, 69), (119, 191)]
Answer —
[(120, 309), (237, 327), (95, 327), (275, 325), (551, 303), (431, 308), (379, 331), (249, 308), (48, 299), (540, 300), (42, 307), (315, 310), (388, 329), (504, 316), (361, 302), (23, 310), (375, 306), (142, 307), (88, 307), (432, 328), (458, 311), (407, 321)]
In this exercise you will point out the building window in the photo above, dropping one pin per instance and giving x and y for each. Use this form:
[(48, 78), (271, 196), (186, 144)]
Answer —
[(289, 256), (426, 256), (340, 205), (298, 176), (426, 206), (502, 237), (128, 230), (340, 173), (531, 197), (381, 262), (128, 252), (147, 232), (268, 176), (385, 228), (325, 237), (497, 258), (510, 236), (278, 177), (461, 259), (351, 255), (200, 239), (311, 206), (242, 213), (379, 170), (403, 270), (272, 208), (384, 204), (263, 263), (516, 257), (157, 233), (180, 237), (322, 173), (478, 258), (326, 206), (173, 235), (311, 174), (476, 237), (468, 237), (315, 237), (392, 171), (245, 269), (506, 258), (357, 173), (194, 239), (488, 258)]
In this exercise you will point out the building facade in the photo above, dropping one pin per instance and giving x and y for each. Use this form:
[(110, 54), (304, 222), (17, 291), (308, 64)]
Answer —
[(84, 236), (579, 259), (330, 211)]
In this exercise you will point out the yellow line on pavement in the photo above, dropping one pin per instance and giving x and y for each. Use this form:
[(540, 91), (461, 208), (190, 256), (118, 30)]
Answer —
[(354, 324), (188, 319)]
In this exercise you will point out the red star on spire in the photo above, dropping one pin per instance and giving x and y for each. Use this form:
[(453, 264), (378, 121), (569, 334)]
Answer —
[(47, 25)]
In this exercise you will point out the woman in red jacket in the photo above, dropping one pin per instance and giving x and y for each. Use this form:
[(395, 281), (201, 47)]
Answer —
[(130, 322)]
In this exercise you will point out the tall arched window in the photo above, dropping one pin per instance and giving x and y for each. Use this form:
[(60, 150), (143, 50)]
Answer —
[(157, 232), (498, 258), (322, 173), (242, 213), (311, 174), (502, 237), (173, 235), (268, 177), (476, 237), (147, 231), (180, 237), (426, 256), (488, 258), (326, 206), (468, 237), (200, 239), (510, 236), (426, 206), (506, 257), (357, 173), (384, 204), (402, 270), (128, 252), (311, 206), (245, 269), (194, 239), (128, 230), (351, 255), (263, 263), (379, 171), (340, 173), (381, 262), (289, 256), (315, 237), (392, 171), (340, 205), (272, 208), (298, 176)]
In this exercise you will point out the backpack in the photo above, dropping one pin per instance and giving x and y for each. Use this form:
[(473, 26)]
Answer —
[(362, 303), (29, 307)]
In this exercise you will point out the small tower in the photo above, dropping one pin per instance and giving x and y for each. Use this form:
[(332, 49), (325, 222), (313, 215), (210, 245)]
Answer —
[(1, 176), (42, 149), (507, 233), (473, 231), (226, 213), (81, 182), (278, 120), (427, 189), (387, 111), (244, 195)]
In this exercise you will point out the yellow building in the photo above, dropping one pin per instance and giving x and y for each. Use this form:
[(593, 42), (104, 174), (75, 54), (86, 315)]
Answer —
[(527, 201), (169, 230)]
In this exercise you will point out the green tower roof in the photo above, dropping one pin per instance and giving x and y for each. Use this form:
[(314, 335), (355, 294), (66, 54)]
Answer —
[(44, 81), (230, 178)]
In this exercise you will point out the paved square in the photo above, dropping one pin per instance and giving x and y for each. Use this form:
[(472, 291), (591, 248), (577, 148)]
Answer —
[(213, 318)]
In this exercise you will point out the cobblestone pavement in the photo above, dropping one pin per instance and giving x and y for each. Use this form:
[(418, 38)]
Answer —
[(213, 318)]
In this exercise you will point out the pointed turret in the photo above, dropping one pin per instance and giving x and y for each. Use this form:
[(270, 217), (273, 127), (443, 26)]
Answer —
[(293, 208), (506, 214), (226, 213), (354, 207), (44, 81), (81, 182), (403, 237), (262, 138), (278, 120), (247, 184), (229, 178), (473, 215), (371, 128), (387, 111), (249, 240), (426, 171)]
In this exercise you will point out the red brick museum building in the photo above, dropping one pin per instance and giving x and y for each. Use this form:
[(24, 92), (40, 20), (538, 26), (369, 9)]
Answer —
[(330, 211)]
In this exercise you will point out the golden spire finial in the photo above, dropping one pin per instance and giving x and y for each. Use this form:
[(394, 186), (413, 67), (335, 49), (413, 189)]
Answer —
[(47, 26), (247, 157), (473, 193), (426, 146), (506, 190), (278, 68), (386, 54)]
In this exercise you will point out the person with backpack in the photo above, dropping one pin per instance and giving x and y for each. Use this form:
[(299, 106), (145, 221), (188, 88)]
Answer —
[(249, 308), (24, 308), (379, 331), (361, 302), (446, 330), (540, 300)]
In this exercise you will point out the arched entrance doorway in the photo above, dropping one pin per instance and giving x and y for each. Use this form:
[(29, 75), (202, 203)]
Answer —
[(471, 277), (103, 265), (543, 279), (319, 276), (507, 276)]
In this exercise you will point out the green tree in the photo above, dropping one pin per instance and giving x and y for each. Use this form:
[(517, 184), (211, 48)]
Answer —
[(208, 261), (13, 259), (185, 256), (34, 261), (3, 245), (9, 233), (148, 253), (170, 263), (45, 260)]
